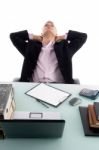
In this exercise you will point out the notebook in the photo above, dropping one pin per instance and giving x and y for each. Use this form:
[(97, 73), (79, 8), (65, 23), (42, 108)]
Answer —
[(48, 94), (33, 128)]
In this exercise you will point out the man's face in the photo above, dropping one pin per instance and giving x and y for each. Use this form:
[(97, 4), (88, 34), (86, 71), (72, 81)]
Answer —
[(49, 27)]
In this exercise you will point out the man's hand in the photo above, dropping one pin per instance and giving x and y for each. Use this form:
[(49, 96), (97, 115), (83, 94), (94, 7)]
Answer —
[(61, 37), (47, 37), (35, 37)]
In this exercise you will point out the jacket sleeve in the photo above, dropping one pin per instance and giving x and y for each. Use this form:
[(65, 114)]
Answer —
[(19, 40), (75, 41)]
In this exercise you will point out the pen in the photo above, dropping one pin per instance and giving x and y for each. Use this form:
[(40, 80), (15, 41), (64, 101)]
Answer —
[(43, 103)]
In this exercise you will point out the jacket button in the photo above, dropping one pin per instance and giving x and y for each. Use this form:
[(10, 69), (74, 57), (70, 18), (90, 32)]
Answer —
[(68, 41)]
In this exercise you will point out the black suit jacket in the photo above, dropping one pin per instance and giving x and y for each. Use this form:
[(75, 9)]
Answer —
[(64, 51)]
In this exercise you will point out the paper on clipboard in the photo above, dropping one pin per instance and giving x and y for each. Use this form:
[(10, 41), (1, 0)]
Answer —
[(48, 94)]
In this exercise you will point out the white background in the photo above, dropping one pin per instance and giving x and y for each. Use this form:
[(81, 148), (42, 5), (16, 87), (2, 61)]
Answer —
[(79, 15)]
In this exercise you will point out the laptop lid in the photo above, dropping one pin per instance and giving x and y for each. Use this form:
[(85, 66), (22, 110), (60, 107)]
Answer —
[(33, 128)]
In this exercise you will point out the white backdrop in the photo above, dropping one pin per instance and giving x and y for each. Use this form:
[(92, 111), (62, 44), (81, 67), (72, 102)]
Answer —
[(80, 15)]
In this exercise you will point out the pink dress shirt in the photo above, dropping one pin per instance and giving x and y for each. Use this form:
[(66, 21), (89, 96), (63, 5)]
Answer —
[(47, 69)]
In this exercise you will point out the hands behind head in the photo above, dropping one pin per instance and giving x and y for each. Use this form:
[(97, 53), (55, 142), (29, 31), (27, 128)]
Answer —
[(48, 38), (37, 37), (59, 38)]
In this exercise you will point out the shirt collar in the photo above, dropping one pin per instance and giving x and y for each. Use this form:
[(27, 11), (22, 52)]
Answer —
[(51, 43)]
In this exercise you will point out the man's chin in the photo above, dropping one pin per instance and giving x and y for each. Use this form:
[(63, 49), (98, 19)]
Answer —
[(49, 32)]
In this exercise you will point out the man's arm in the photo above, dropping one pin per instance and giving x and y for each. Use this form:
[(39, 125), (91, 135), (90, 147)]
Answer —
[(20, 39), (75, 41)]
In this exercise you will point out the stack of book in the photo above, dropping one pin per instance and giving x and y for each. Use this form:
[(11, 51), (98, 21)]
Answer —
[(93, 113), (7, 104), (90, 119)]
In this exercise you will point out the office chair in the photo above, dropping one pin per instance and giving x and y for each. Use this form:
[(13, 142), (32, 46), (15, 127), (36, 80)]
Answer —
[(76, 80)]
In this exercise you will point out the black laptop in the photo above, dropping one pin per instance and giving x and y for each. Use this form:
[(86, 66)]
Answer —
[(33, 128)]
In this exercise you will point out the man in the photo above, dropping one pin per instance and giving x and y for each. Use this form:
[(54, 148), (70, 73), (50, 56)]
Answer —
[(48, 57)]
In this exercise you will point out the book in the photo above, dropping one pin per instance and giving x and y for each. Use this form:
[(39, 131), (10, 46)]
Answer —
[(94, 123), (7, 103), (88, 131), (48, 94), (96, 107)]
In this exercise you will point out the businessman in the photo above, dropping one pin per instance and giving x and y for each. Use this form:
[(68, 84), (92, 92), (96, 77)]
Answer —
[(48, 57)]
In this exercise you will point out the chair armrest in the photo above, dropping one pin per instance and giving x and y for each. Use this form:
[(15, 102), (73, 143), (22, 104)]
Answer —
[(76, 81), (16, 79)]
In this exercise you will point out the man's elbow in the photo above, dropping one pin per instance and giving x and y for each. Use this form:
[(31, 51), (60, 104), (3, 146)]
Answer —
[(84, 37), (11, 36)]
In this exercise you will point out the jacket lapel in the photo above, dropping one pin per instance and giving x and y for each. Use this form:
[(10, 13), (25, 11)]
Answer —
[(58, 47)]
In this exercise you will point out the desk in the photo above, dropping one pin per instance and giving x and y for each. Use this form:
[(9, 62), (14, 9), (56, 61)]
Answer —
[(73, 136)]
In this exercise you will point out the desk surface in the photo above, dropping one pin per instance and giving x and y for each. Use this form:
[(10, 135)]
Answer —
[(73, 136)]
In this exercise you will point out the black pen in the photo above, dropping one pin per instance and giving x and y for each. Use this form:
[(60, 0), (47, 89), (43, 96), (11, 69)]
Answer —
[(43, 103)]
